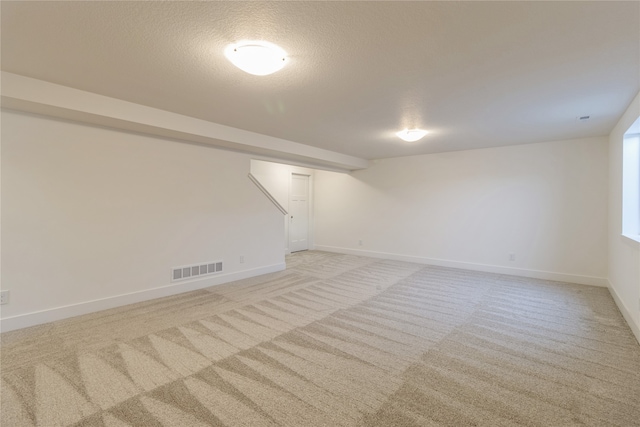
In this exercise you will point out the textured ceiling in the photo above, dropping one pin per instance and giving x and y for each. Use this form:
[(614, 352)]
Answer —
[(475, 74)]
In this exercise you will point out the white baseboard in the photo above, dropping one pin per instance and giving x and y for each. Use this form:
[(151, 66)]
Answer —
[(59, 313), (537, 274), (635, 328)]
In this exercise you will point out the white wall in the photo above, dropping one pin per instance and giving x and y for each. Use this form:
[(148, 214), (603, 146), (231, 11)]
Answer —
[(624, 253), (545, 203), (276, 178), (93, 218)]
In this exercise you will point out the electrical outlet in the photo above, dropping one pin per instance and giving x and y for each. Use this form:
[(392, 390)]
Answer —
[(359, 242), (4, 297), (241, 259), (512, 257)]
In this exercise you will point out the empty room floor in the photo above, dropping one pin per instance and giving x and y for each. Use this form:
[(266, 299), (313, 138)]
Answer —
[(335, 340)]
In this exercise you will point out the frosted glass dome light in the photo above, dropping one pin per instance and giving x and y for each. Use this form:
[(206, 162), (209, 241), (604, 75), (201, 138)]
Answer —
[(259, 58), (411, 135)]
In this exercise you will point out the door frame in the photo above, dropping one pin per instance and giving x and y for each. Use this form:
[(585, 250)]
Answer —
[(310, 243)]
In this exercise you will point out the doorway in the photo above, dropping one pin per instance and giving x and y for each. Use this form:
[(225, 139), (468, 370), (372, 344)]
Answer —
[(299, 213)]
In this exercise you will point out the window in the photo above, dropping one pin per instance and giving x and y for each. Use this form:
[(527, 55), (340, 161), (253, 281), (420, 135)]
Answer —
[(631, 182)]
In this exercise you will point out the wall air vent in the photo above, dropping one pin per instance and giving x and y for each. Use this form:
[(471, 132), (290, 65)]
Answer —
[(195, 271)]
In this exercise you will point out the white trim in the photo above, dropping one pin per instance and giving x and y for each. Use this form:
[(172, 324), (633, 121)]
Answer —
[(59, 313), (635, 238), (537, 274), (625, 312)]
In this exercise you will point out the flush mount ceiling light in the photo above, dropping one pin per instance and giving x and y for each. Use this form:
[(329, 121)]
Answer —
[(259, 58), (411, 135)]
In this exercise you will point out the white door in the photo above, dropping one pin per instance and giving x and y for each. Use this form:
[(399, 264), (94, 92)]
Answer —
[(299, 213)]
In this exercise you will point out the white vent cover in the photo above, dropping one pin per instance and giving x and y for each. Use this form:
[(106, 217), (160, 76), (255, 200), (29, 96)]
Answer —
[(196, 270)]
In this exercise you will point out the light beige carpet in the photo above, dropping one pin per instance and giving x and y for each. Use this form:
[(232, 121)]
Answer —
[(335, 340)]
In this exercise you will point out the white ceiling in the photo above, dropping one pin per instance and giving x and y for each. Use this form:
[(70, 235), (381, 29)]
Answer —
[(475, 74)]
